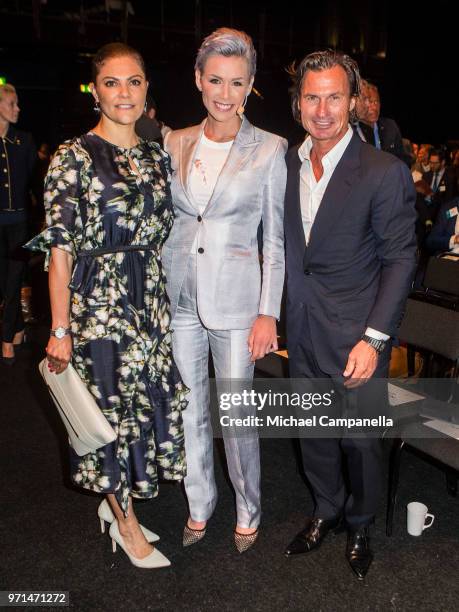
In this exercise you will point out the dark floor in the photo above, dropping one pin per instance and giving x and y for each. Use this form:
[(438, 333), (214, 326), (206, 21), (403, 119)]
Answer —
[(50, 538)]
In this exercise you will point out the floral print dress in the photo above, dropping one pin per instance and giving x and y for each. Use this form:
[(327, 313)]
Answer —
[(113, 221)]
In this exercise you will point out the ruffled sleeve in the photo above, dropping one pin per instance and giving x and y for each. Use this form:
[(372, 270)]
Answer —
[(62, 204)]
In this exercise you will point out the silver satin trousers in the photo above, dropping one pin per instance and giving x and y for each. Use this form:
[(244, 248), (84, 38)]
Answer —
[(191, 341)]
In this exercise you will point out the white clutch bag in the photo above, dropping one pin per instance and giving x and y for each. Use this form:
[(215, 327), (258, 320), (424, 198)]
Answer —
[(87, 427)]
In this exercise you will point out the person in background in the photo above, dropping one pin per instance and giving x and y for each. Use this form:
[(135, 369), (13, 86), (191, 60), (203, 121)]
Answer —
[(18, 157), (422, 160), (455, 167), (228, 176), (146, 126), (444, 236), (108, 212), (37, 186), (441, 181), (381, 132)]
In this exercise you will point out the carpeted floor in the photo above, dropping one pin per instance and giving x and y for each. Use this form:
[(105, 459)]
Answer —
[(50, 536)]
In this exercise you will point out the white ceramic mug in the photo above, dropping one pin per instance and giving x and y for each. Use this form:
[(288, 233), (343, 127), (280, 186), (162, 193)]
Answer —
[(416, 518)]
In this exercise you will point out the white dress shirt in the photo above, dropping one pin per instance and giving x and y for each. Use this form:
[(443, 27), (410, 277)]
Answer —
[(207, 164), (312, 191)]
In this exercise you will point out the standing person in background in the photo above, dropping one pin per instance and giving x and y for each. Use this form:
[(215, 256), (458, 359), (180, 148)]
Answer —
[(109, 210), (381, 132), (146, 126), (350, 255), (18, 156), (228, 176), (37, 186)]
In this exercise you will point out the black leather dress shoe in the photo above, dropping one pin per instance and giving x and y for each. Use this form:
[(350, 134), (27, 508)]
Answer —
[(358, 552), (312, 535)]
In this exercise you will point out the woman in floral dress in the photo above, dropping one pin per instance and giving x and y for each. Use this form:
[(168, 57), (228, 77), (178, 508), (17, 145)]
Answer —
[(108, 204)]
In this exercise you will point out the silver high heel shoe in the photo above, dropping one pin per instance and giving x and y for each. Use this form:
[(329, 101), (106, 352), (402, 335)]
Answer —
[(154, 560), (105, 514), (244, 541), (192, 536)]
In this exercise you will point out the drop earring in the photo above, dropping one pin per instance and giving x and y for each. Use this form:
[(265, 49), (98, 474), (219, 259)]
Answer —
[(96, 106), (241, 109)]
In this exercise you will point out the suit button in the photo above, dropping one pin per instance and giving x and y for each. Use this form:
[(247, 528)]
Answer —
[(200, 250), (308, 272), (199, 218)]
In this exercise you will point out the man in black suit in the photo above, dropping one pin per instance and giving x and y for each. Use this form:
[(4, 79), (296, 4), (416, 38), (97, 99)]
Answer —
[(350, 256), (441, 181), (382, 132)]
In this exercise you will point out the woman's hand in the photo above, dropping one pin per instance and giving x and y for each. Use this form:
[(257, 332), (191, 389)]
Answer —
[(263, 337), (59, 352)]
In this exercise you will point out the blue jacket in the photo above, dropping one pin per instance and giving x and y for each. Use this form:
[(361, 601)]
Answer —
[(444, 227), (18, 157), (358, 267)]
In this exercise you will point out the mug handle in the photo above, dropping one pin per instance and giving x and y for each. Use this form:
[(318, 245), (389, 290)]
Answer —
[(432, 517)]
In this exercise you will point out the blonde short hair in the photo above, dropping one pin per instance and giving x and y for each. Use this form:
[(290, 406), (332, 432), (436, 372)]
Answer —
[(229, 43), (6, 88)]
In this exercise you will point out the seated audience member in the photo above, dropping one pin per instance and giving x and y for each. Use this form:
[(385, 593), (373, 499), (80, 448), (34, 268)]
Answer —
[(424, 211), (440, 180), (422, 159), (409, 151), (455, 166), (445, 231)]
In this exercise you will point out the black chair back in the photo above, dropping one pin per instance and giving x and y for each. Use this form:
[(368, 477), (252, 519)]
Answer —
[(431, 327), (442, 275)]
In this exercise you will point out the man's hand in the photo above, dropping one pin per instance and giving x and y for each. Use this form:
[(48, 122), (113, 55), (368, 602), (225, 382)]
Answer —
[(361, 364), (263, 337)]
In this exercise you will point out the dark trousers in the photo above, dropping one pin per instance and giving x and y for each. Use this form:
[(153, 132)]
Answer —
[(324, 459), (12, 267)]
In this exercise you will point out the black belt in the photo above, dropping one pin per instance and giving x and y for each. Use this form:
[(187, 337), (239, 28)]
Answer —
[(115, 249)]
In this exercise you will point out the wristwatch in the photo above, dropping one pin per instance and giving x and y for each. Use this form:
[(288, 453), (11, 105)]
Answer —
[(378, 345), (60, 332)]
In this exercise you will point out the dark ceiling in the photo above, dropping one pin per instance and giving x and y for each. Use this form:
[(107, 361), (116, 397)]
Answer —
[(46, 46)]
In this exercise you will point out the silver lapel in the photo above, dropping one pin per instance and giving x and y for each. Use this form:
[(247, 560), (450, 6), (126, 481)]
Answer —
[(242, 149), (188, 146)]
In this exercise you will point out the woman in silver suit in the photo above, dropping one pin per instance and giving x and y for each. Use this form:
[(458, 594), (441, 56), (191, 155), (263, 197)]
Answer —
[(228, 177)]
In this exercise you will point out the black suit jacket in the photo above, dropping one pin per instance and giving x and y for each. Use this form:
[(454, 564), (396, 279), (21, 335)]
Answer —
[(446, 189), (18, 157), (390, 136), (358, 267), (443, 228)]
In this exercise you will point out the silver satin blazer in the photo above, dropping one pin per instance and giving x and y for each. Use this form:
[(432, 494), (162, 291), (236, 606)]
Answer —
[(231, 288)]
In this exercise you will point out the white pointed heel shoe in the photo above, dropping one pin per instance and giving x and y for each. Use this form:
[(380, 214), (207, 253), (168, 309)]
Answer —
[(152, 561), (105, 514)]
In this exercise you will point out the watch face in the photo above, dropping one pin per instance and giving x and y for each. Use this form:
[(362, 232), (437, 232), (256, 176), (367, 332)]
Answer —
[(59, 332)]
